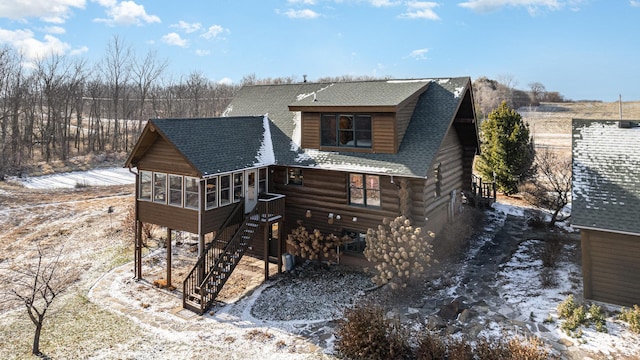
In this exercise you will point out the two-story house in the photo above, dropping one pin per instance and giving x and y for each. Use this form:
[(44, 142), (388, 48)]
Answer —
[(339, 157)]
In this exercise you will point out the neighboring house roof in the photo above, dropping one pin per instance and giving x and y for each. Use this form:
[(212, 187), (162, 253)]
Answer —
[(606, 176), (217, 145), (432, 117)]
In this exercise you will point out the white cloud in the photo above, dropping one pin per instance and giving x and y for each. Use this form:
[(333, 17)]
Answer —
[(187, 27), (225, 81), (79, 51), (54, 11), (213, 32), (300, 14), (532, 6), (305, 2), (383, 3), (421, 10), (55, 30), (175, 40), (126, 13), (634, 3), (419, 54), (32, 48), (202, 52)]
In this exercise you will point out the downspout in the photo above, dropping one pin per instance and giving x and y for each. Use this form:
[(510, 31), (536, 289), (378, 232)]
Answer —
[(137, 231)]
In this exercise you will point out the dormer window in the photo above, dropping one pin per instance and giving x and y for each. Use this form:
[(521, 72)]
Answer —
[(346, 130)]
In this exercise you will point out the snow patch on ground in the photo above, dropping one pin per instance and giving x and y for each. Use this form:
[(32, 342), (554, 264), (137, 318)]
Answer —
[(97, 177)]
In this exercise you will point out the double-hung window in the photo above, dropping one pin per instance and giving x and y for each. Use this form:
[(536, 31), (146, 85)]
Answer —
[(160, 188), (175, 190), (145, 185), (212, 193), (346, 130), (364, 190), (191, 194), (225, 189), (237, 186)]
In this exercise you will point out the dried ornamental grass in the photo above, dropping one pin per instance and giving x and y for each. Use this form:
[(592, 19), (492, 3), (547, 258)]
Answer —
[(399, 251)]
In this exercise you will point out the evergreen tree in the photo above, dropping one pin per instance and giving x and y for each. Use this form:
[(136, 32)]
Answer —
[(507, 149)]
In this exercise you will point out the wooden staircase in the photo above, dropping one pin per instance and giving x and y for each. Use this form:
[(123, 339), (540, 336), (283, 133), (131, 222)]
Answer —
[(219, 259)]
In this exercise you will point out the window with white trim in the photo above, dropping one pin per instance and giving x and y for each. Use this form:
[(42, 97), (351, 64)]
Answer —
[(237, 186), (212, 193), (364, 190), (145, 185), (225, 190), (160, 188), (191, 193), (175, 190)]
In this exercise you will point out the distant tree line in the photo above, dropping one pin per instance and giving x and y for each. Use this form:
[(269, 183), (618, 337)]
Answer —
[(489, 94), (60, 107)]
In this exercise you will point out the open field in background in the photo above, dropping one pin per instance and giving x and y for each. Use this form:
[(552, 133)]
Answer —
[(550, 123)]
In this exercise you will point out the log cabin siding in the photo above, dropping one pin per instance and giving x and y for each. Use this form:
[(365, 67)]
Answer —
[(610, 267), (163, 157), (324, 192), (450, 158)]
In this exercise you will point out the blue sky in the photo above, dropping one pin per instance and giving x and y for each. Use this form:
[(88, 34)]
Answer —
[(585, 49)]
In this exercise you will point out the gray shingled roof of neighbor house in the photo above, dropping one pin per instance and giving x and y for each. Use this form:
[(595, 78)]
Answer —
[(606, 176), (432, 117), (219, 145)]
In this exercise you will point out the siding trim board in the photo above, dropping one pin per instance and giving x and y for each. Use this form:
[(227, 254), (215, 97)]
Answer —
[(581, 227)]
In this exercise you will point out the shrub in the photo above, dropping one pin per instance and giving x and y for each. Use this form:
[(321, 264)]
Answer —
[(459, 349), (430, 347), (400, 252), (576, 316), (537, 220), (526, 349), (551, 251), (314, 245), (364, 333), (631, 317)]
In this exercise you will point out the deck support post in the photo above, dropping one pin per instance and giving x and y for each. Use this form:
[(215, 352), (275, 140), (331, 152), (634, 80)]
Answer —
[(280, 228), (138, 250), (168, 258), (267, 226)]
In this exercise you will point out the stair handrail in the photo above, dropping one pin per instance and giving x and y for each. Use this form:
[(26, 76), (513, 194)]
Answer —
[(202, 258), (233, 242)]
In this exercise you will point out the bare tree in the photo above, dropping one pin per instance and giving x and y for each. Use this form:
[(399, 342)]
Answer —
[(116, 68), (551, 187), (538, 91), (146, 71), (36, 286)]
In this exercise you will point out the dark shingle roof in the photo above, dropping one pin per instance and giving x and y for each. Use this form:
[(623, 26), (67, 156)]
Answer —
[(211, 145), (606, 176), (433, 115), (362, 93)]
